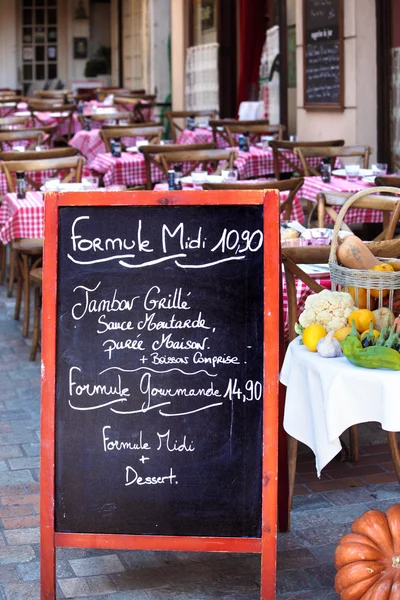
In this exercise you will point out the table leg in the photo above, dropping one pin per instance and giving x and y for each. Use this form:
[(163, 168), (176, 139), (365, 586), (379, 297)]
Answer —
[(394, 450)]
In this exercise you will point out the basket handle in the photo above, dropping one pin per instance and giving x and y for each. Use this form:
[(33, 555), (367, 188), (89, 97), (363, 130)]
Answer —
[(347, 205)]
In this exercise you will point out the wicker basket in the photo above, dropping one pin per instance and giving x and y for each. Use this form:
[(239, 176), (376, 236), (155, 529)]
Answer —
[(343, 277)]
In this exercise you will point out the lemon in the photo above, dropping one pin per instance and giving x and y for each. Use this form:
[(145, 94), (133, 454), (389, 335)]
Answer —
[(363, 318), (342, 333), (311, 336)]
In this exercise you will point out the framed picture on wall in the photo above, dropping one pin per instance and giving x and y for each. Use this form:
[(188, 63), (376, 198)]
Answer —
[(80, 47)]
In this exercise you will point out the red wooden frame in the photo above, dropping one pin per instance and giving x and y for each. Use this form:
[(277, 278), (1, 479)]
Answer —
[(266, 545)]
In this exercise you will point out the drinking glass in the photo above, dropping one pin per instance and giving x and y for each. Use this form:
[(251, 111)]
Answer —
[(352, 172), (379, 169), (90, 183), (229, 175)]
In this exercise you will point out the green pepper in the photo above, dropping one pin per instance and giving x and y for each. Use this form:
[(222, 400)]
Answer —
[(374, 357), (369, 338)]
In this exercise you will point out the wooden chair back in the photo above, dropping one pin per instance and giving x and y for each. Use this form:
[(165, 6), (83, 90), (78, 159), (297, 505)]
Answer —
[(52, 94), (387, 180), (9, 104), (255, 129), (68, 168), (390, 205), (283, 152), (287, 185), (9, 137), (39, 154), (13, 122), (152, 152), (177, 119), (152, 134), (65, 113), (107, 117), (198, 158), (358, 154), (141, 105)]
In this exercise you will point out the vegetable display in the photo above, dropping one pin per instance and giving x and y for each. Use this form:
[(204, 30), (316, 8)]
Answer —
[(371, 356), (368, 559), (329, 309)]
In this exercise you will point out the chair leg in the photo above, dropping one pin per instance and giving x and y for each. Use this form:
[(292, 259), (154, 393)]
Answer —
[(12, 274), (292, 461), (27, 289), (3, 262), (394, 450), (36, 324), (17, 308)]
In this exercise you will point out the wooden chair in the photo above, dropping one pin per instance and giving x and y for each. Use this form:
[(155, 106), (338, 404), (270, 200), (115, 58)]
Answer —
[(140, 105), (12, 137), (52, 94), (152, 153), (198, 158), (40, 154), (391, 181), (175, 118), (65, 112), (7, 123), (9, 104), (152, 134), (35, 278), (292, 258), (356, 154), (104, 118), (283, 152), (24, 252), (373, 200), (288, 185), (255, 129)]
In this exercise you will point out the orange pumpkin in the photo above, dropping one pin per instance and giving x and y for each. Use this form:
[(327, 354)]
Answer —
[(368, 559)]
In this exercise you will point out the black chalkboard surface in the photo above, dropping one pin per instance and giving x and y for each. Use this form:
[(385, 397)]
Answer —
[(159, 366), (323, 54)]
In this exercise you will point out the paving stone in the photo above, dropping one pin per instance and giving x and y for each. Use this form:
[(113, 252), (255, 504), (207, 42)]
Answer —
[(8, 573), (345, 514), (81, 587), (30, 449), (15, 537), (20, 522), (17, 437), (312, 501), (29, 571), (10, 451), (26, 462), (295, 580), (20, 498), (295, 559), (324, 554), (10, 478), (20, 554), (96, 566), (322, 535), (22, 591), (20, 510)]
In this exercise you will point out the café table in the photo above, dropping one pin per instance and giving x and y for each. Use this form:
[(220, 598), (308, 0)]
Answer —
[(200, 135), (129, 169), (324, 397), (21, 218), (313, 186), (90, 144)]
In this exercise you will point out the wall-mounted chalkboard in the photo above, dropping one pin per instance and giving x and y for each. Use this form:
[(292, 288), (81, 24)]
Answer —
[(160, 375), (323, 54)]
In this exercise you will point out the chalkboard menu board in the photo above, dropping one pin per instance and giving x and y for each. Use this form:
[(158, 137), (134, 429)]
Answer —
[(159, 375), (323, 54)]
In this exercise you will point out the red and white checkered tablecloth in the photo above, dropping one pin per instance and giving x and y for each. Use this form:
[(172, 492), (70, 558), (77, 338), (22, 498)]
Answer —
[(314, 185), (200, 135), (128, 170), (22, 218), (90, 144), (260, 161)]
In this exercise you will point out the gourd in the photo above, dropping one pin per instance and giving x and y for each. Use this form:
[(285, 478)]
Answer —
[(354, 254), (368, 559)]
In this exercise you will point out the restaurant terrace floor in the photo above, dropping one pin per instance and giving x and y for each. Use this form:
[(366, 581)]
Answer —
[(323, 511)]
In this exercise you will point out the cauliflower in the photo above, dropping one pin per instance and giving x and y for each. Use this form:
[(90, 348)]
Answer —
[(330, 309)]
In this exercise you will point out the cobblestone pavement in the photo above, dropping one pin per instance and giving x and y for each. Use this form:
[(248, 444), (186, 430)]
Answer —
[(323, 511)]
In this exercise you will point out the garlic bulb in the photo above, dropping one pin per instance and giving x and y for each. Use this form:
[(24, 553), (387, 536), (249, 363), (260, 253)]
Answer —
[(329, 347)]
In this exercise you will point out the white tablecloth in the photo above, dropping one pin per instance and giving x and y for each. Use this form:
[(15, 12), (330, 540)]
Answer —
[(249, 111), (325, 396)]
